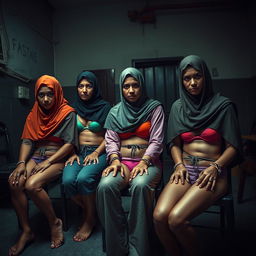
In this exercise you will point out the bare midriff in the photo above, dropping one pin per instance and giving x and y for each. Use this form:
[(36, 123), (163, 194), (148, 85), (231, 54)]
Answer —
[(200, 148), (134, 140)]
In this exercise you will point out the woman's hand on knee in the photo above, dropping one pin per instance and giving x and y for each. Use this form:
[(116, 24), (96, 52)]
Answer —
[(19, 172), (181, 174), (115, 168), (140, 169), (71, 160), (91, 159), (207, 178), (41, 167)]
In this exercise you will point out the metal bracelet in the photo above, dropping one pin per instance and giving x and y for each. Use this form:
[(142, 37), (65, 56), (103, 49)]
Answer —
[(146, 161), (176, 165), (217, 166), (20, 162), (113, 159)]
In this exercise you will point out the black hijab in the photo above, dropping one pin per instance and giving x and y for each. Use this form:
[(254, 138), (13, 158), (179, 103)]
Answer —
[(126, 116), (95, 109), (207, 110)]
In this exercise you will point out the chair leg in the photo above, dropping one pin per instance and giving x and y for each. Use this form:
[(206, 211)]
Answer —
[(230, 217), (222, 219), (64, 208), (103, 240), (242, 177)]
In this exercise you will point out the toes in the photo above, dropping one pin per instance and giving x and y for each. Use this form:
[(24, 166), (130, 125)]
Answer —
[(77, 238), (56, 244)]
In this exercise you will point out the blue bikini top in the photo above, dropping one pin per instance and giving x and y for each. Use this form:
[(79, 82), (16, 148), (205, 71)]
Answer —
[(93, 126)]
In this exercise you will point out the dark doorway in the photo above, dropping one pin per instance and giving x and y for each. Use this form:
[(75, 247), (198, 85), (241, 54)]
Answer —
[(162, 84), (160, 79), (106, 82)]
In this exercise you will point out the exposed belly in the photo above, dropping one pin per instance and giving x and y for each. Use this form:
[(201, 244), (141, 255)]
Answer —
[(89, 138), (203, 149), (128, 150), (46, 148)]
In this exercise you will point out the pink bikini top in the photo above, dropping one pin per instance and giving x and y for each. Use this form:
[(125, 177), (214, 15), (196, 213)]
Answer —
[(209, 135)]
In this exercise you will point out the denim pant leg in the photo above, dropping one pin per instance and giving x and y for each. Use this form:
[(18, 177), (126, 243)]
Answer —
[(89, 176), (112, 215), (140, 218), (69, 178)]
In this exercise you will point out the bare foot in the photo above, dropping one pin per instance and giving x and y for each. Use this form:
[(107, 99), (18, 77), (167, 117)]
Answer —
[(25, 239), (57, 237), (84, 232)]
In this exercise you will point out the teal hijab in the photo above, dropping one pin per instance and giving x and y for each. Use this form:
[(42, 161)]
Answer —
[(207, 110), (95, 109), (126, 116)]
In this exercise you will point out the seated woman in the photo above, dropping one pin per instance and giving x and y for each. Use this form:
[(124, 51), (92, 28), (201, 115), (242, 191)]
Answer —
[(83, 171), (49, 135), (133, 143), (203, 139)]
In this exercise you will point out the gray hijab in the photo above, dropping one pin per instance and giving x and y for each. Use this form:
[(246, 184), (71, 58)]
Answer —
[(126, 116), (207, 110)]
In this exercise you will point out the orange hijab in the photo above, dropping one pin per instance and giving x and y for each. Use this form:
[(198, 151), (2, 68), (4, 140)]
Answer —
[(40, 125)]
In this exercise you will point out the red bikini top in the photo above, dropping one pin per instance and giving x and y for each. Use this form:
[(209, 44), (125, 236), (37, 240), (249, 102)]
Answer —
[(209, 135), (142, 131), (54, 139)]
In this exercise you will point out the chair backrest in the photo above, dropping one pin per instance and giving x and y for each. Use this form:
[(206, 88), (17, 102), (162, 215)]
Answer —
[(4, 144)]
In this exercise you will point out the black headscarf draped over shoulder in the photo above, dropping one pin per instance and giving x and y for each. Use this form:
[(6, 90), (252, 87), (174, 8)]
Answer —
[(207, 110), (126, 116), (95, 109)]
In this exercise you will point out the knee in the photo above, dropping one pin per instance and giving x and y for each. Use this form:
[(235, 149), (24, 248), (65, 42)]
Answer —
[(85, 181), (15, 187), (160, 216), (139, 184), (68, 176), (175, 222), (67, 181), (32, 187), (106, 185)]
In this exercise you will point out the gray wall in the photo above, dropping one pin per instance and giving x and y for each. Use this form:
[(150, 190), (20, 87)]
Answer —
[(28, 28), (102, 36), (13, 111), (98, 36), (242, 92), (28, 25)]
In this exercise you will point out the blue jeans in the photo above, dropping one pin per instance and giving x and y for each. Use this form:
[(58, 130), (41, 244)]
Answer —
[(83, 179)]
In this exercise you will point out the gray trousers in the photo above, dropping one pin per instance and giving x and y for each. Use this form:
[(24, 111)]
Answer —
[(128, 236)]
